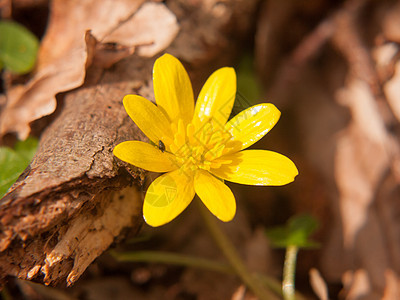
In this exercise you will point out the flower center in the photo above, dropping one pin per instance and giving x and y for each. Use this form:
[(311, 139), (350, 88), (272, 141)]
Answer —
[(199, 147)]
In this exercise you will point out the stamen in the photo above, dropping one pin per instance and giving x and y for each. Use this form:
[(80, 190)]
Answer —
[(173, 148), (199, 147), (181, 128), (190, 130), (209, 155), (174, 127), (197, 151), (179, 139), (167, 141), (218, 150)]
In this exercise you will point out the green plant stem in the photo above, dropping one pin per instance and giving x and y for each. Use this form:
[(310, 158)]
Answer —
[(276, 286), (195, 262), (289, 270), (232, 256), (174, 259)]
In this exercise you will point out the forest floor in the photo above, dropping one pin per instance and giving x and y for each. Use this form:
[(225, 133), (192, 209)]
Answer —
[(331, 67)]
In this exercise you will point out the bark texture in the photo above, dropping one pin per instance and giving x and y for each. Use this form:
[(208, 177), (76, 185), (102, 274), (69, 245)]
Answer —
[(75, 199)]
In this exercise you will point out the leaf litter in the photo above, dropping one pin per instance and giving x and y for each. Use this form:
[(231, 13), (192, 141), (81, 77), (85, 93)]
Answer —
[(336, 80)]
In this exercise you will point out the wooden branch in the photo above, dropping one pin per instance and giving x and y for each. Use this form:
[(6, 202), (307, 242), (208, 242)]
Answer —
[(76, 198)]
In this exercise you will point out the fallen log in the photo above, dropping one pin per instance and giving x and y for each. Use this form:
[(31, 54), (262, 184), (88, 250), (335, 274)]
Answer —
[(75, 199)]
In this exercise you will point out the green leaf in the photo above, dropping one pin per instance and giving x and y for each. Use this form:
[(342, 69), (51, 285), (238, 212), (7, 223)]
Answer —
[(296, 232), (18, 47), (14, 161), (27, 148)]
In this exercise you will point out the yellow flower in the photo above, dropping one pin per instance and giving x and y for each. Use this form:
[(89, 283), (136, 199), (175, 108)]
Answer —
[(197, 146)]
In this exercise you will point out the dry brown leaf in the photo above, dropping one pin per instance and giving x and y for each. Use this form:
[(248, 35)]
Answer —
[(385, 58), (241, 294), (392, 91), (362, 224), (142, 32), (65, 53), (361, 160), (392, 288), (357, 285), (70, 190), (357, 175), (391, 24), (318, 284), (62, 58)]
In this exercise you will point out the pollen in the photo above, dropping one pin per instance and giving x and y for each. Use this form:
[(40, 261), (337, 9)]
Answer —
[(199, 147)]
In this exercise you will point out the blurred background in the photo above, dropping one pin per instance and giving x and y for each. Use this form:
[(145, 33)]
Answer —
[(333, 70)]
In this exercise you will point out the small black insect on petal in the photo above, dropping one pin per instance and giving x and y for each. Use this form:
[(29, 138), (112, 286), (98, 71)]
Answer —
[(161, 146)]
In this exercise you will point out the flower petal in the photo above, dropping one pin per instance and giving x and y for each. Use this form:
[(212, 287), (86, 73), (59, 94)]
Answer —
[(148, 117), (173, 89), (257, 167), (253, 123), (216, 195), (167, 197), (216, 98), (145, 156)]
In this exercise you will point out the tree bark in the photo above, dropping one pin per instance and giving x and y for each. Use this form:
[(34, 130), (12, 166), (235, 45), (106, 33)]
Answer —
[(75, 199)]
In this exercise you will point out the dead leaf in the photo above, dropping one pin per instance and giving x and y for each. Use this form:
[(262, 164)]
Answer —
[(385, 58), (62, 212), (64, 54), (142, 32), (392, 91), (361, 161), (357, 285), (392, 288), (318, 284), (391, 24)]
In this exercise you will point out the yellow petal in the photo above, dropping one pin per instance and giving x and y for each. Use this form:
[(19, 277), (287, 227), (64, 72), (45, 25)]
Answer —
[(167, 197), (216, 98), (253, 123), (173, 89), (145, 156), (216, 195), (257, 167), (148, 117)]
